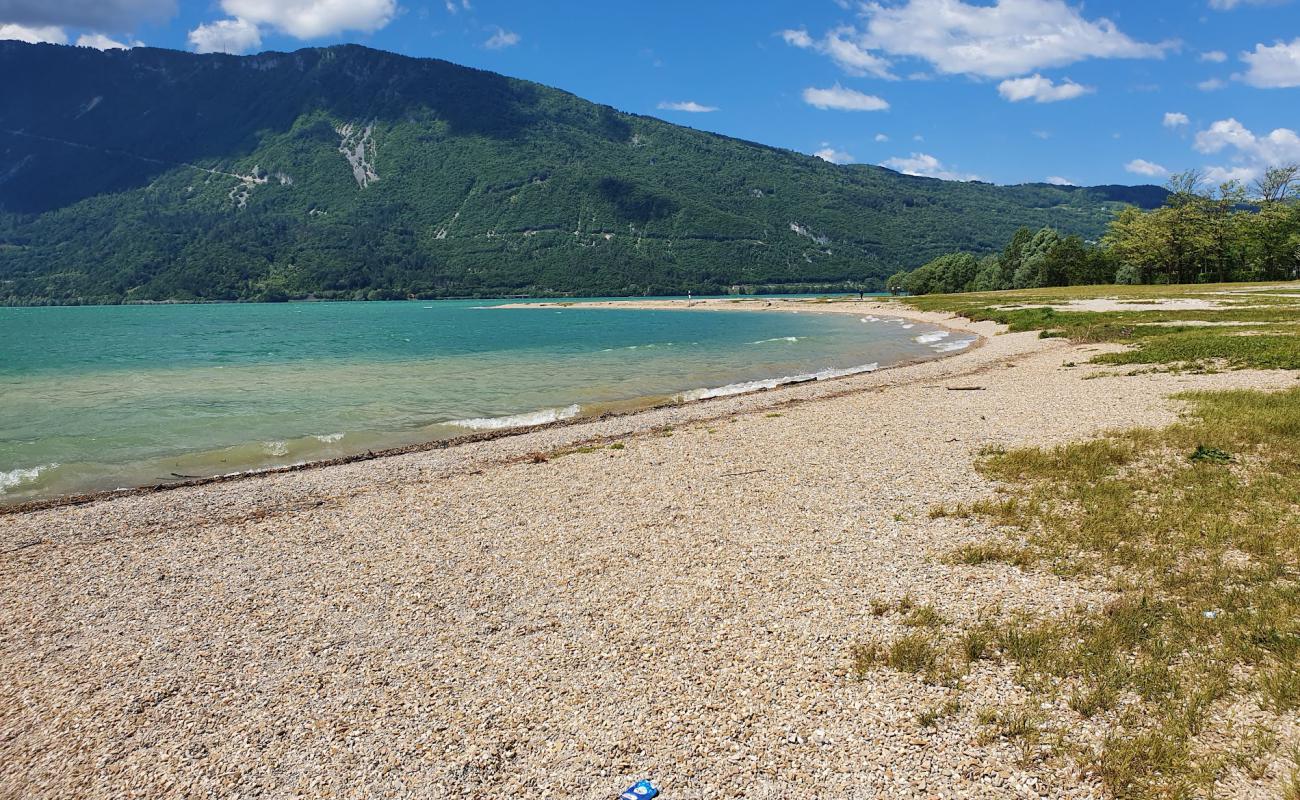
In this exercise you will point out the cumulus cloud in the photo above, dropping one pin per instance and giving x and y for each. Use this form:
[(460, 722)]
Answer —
[(101, 42), (1041, 90), (1214, 56), (1175, 119), (1057, 180), (797, 38), (502, 39), (689, 106), (1273, 67), (1140, 166), (52, 34), (880, 137), (1249, 153), (1003, 40), (828, 153), (926, 166), (840, 46), (454, 8), (839, 98), (1211, 85), (311, 19), (102, 15), (234, 36)]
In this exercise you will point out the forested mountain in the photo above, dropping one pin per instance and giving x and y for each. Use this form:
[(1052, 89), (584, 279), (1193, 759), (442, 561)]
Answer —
[(347, 172)]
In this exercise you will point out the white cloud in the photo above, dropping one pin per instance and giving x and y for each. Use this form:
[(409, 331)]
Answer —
[(1214, 56), (1041, 90), (1211, 85), (840, 47), (1250, 153), (99, 15), (101, 42), (1175, 119), (453, 7), (502, 39), (880, 137), (310, 19), (33, 35), (828, 153), (689, 106), (841, 99), (1228, 5), (926, 166), (1002, 40), (799, 38), (1057, 180), (1275, 67), (234, 36), (1140, 166)]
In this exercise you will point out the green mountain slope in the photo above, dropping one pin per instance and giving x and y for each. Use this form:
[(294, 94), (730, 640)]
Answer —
[(348, 172)]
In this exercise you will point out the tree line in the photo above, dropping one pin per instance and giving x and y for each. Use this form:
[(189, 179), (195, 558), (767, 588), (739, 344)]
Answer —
[(1202, 234)]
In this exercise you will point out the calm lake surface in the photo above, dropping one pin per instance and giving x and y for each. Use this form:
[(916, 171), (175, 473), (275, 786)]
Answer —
[(105, 397)]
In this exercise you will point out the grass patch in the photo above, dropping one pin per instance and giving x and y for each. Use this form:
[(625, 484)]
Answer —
[(926, 616), (1156, 335), (1197, 527), (973, 555)]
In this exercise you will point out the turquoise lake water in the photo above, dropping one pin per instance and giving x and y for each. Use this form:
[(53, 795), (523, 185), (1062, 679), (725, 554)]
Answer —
[(98, 398)]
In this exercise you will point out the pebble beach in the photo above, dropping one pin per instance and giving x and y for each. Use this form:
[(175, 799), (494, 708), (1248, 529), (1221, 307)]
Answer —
[(670, 594)]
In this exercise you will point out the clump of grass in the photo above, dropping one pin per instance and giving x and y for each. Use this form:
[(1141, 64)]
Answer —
[(1291, 788), (915, 652), (1280, 685), (617, 446), (977, 642), (1212, 455), (989, 553), (879, 608), (926, 616), (773, 415), (929, 718)]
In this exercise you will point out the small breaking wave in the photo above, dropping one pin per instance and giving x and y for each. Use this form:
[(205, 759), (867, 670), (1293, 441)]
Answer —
[(791, 339), (518, 420), (276, 448), (931, 338), (949, 347), (17, 477), (745, 387), (328, 438)]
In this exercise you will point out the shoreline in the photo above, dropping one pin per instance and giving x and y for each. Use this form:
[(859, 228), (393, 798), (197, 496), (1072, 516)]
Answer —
[(462, 620), (946, 322)]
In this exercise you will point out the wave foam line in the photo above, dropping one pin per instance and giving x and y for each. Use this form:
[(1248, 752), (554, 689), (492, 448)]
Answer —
[(745, 387), (17, 477), (778, 339), (931, 338), (948, 347), (518, 420)]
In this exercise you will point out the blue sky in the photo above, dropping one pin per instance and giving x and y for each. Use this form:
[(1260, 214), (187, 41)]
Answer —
[(1008, 91)]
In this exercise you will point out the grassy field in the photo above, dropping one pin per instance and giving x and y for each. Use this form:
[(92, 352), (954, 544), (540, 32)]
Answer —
[(1194, 668), (1242, 325)]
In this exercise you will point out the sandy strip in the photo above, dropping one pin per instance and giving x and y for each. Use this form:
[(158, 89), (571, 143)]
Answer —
[(472, 622)]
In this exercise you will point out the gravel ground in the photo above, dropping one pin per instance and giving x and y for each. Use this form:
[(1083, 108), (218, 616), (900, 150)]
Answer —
[(474, 622)]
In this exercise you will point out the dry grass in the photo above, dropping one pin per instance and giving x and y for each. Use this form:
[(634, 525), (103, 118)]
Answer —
[(1204, 554)]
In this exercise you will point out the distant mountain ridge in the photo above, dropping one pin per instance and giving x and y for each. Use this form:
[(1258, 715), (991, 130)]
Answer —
[(347, 172)]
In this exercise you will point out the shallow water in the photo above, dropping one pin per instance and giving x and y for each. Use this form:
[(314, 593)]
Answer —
[(97, 398)]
